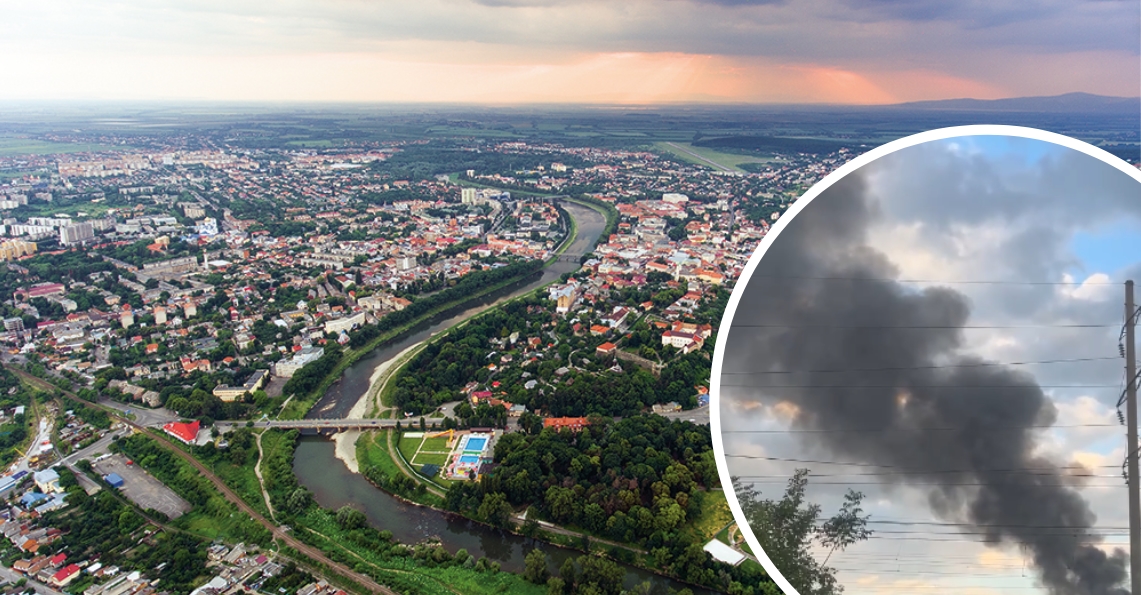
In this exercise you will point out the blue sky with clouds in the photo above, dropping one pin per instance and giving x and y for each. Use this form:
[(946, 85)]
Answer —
[(982, 208)]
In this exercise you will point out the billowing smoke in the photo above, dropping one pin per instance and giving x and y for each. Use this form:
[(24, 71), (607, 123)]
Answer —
[(951, 423)]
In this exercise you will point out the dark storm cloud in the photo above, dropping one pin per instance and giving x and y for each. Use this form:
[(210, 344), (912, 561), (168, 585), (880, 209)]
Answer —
[(792, 340)]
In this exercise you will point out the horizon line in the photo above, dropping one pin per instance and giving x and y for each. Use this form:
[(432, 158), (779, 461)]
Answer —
[(488, 104)]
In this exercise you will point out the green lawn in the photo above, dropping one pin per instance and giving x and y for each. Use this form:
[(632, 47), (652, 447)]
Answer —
[(435, 444), (372, 451), (428, 459), (407, 446)]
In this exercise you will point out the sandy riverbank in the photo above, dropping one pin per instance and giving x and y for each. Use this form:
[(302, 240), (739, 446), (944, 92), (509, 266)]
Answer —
[(345, 443), (345, 449)]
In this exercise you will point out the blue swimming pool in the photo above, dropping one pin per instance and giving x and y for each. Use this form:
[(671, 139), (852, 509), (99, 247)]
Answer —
[(469, 459), (475, 444)]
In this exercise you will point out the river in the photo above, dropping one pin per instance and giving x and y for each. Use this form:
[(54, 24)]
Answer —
[(334, 486)]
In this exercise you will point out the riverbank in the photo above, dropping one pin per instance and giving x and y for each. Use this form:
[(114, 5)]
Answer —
[(298, 407), (385, 490)]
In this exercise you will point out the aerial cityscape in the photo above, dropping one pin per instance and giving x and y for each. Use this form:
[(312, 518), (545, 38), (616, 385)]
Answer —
[(422, 351)]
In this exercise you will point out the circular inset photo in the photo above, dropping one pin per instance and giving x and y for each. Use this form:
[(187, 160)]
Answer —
[(920, 382)]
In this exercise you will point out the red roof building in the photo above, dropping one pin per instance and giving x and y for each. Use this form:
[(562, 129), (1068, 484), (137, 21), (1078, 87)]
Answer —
[(65, 575), (183, 431), (572, 423), (58, 559)]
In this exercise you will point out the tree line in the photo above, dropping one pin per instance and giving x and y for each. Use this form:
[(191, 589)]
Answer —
[(637, 481)]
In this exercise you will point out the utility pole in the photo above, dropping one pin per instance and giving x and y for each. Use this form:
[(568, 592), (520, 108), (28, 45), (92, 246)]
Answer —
[(1131, 440)]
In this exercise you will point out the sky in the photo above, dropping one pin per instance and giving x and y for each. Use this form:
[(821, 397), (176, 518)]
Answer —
[(1053, 233), (566, 51)]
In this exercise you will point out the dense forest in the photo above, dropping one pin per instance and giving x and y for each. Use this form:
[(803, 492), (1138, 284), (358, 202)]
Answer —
[(636, 481), (422, 162)]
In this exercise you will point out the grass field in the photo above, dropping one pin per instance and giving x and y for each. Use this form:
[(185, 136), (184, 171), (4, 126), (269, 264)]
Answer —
[(11, 145), (425, 450), (372, 451), (715, 516), (708, 157)]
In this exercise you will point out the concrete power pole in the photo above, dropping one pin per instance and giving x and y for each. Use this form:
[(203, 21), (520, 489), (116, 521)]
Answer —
[(1131, 440)]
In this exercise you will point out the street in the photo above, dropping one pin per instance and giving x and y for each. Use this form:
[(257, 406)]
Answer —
[(12, 576)]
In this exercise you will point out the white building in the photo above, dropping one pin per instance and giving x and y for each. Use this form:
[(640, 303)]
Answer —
[(47, 481), (286, 368), (79, 233), (344, 324)]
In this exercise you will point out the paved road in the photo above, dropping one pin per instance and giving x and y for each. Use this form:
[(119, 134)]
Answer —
[(34, 448), (699, 416), (152, 418), (332, 424), (13, 576)]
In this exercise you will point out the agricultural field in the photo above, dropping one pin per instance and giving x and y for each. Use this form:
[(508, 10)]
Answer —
[(709, 157), (13, 145)]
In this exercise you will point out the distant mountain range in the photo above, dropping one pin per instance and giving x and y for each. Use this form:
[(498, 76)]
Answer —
[(1085, 103)]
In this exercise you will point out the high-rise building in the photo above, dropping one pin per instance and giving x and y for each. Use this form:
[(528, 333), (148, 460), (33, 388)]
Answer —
[(468, 196), (78, 233), (160, 315)]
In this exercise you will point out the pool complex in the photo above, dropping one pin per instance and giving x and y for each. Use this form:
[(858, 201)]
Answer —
[(474, 444)]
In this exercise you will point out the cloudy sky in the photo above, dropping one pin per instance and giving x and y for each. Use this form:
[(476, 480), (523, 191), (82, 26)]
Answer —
[(505, 51), (903, 242)]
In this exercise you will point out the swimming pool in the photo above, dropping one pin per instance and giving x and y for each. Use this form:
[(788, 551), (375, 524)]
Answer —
[(475, 444), (469, 459)]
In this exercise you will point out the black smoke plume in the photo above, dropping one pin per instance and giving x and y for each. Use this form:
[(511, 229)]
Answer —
[(820, 273)]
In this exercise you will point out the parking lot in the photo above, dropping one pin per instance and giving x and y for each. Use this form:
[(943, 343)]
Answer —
[(142, 489)]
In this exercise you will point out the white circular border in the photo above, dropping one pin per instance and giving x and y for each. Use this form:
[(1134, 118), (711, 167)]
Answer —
[(808, 197)]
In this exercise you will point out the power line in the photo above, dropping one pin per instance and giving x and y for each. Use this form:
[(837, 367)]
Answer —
[(930, 367), (927, 386), (1114, 486), (922, 429), (901, 470), (784, 478), (925, 326), (940, 281), (983, 525)]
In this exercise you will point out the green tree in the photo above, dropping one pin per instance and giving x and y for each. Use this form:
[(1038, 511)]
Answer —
[(535, 567), (495, 509), (787, 529), (349, 518), (299, 500)]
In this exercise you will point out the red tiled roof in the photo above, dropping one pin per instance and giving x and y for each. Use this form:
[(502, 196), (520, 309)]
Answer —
[(186, 432), (564, 422), (65, 572)]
